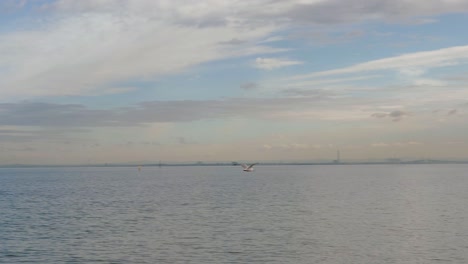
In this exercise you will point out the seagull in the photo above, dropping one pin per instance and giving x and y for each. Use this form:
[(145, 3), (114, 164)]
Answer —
[(248, 168)]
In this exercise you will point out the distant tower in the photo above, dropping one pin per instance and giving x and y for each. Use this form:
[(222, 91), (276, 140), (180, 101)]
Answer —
[(337, 156)]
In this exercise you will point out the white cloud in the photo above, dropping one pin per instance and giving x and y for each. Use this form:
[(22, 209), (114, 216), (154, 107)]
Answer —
[(412, 63), (88, 46), (274, 63), (89, 52), (412, 72)]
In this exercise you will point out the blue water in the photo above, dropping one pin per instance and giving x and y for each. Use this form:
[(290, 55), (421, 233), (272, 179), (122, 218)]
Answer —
[(276, 214)]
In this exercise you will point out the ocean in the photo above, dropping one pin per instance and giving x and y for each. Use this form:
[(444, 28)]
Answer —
[(362, 214)]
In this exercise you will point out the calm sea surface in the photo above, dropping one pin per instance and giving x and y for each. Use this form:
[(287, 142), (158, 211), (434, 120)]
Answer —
[(277, 214)]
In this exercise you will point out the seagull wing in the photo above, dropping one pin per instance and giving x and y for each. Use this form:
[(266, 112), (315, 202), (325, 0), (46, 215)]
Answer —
[(251, 165), (244, 166)]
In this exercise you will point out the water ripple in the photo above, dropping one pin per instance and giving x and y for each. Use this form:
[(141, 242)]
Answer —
[(303, 214)]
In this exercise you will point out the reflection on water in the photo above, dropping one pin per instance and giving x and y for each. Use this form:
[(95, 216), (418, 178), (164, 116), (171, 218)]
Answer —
[(277, 214)]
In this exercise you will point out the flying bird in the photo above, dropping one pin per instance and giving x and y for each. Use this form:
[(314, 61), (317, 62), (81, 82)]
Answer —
[(248, 168)]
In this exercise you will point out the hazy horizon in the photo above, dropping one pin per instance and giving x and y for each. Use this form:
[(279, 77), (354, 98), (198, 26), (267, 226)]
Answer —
[(93, 81)]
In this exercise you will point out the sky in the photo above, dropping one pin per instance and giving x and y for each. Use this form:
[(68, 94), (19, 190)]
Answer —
[(114, 81)]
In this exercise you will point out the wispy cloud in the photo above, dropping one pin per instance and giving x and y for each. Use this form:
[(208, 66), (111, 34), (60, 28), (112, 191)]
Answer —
[(274, 63), (413, 63), (89, 53)]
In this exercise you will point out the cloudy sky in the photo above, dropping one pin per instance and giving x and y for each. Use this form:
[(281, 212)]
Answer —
[(109, 81)]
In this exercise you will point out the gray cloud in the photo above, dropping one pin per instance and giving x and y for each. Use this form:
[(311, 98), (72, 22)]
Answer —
[(7, 6), (214, 20), (50, 115), (17, 135), (22, 149), (337, 11), (13, 131), (315, 93), (61, 135), (72, 116), (452, 112), (249, 86), (213, 13), (460, 77), (395, 115), (191, 110)]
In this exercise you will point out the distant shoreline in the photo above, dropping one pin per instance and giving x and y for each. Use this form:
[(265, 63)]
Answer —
[(420, 162)]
